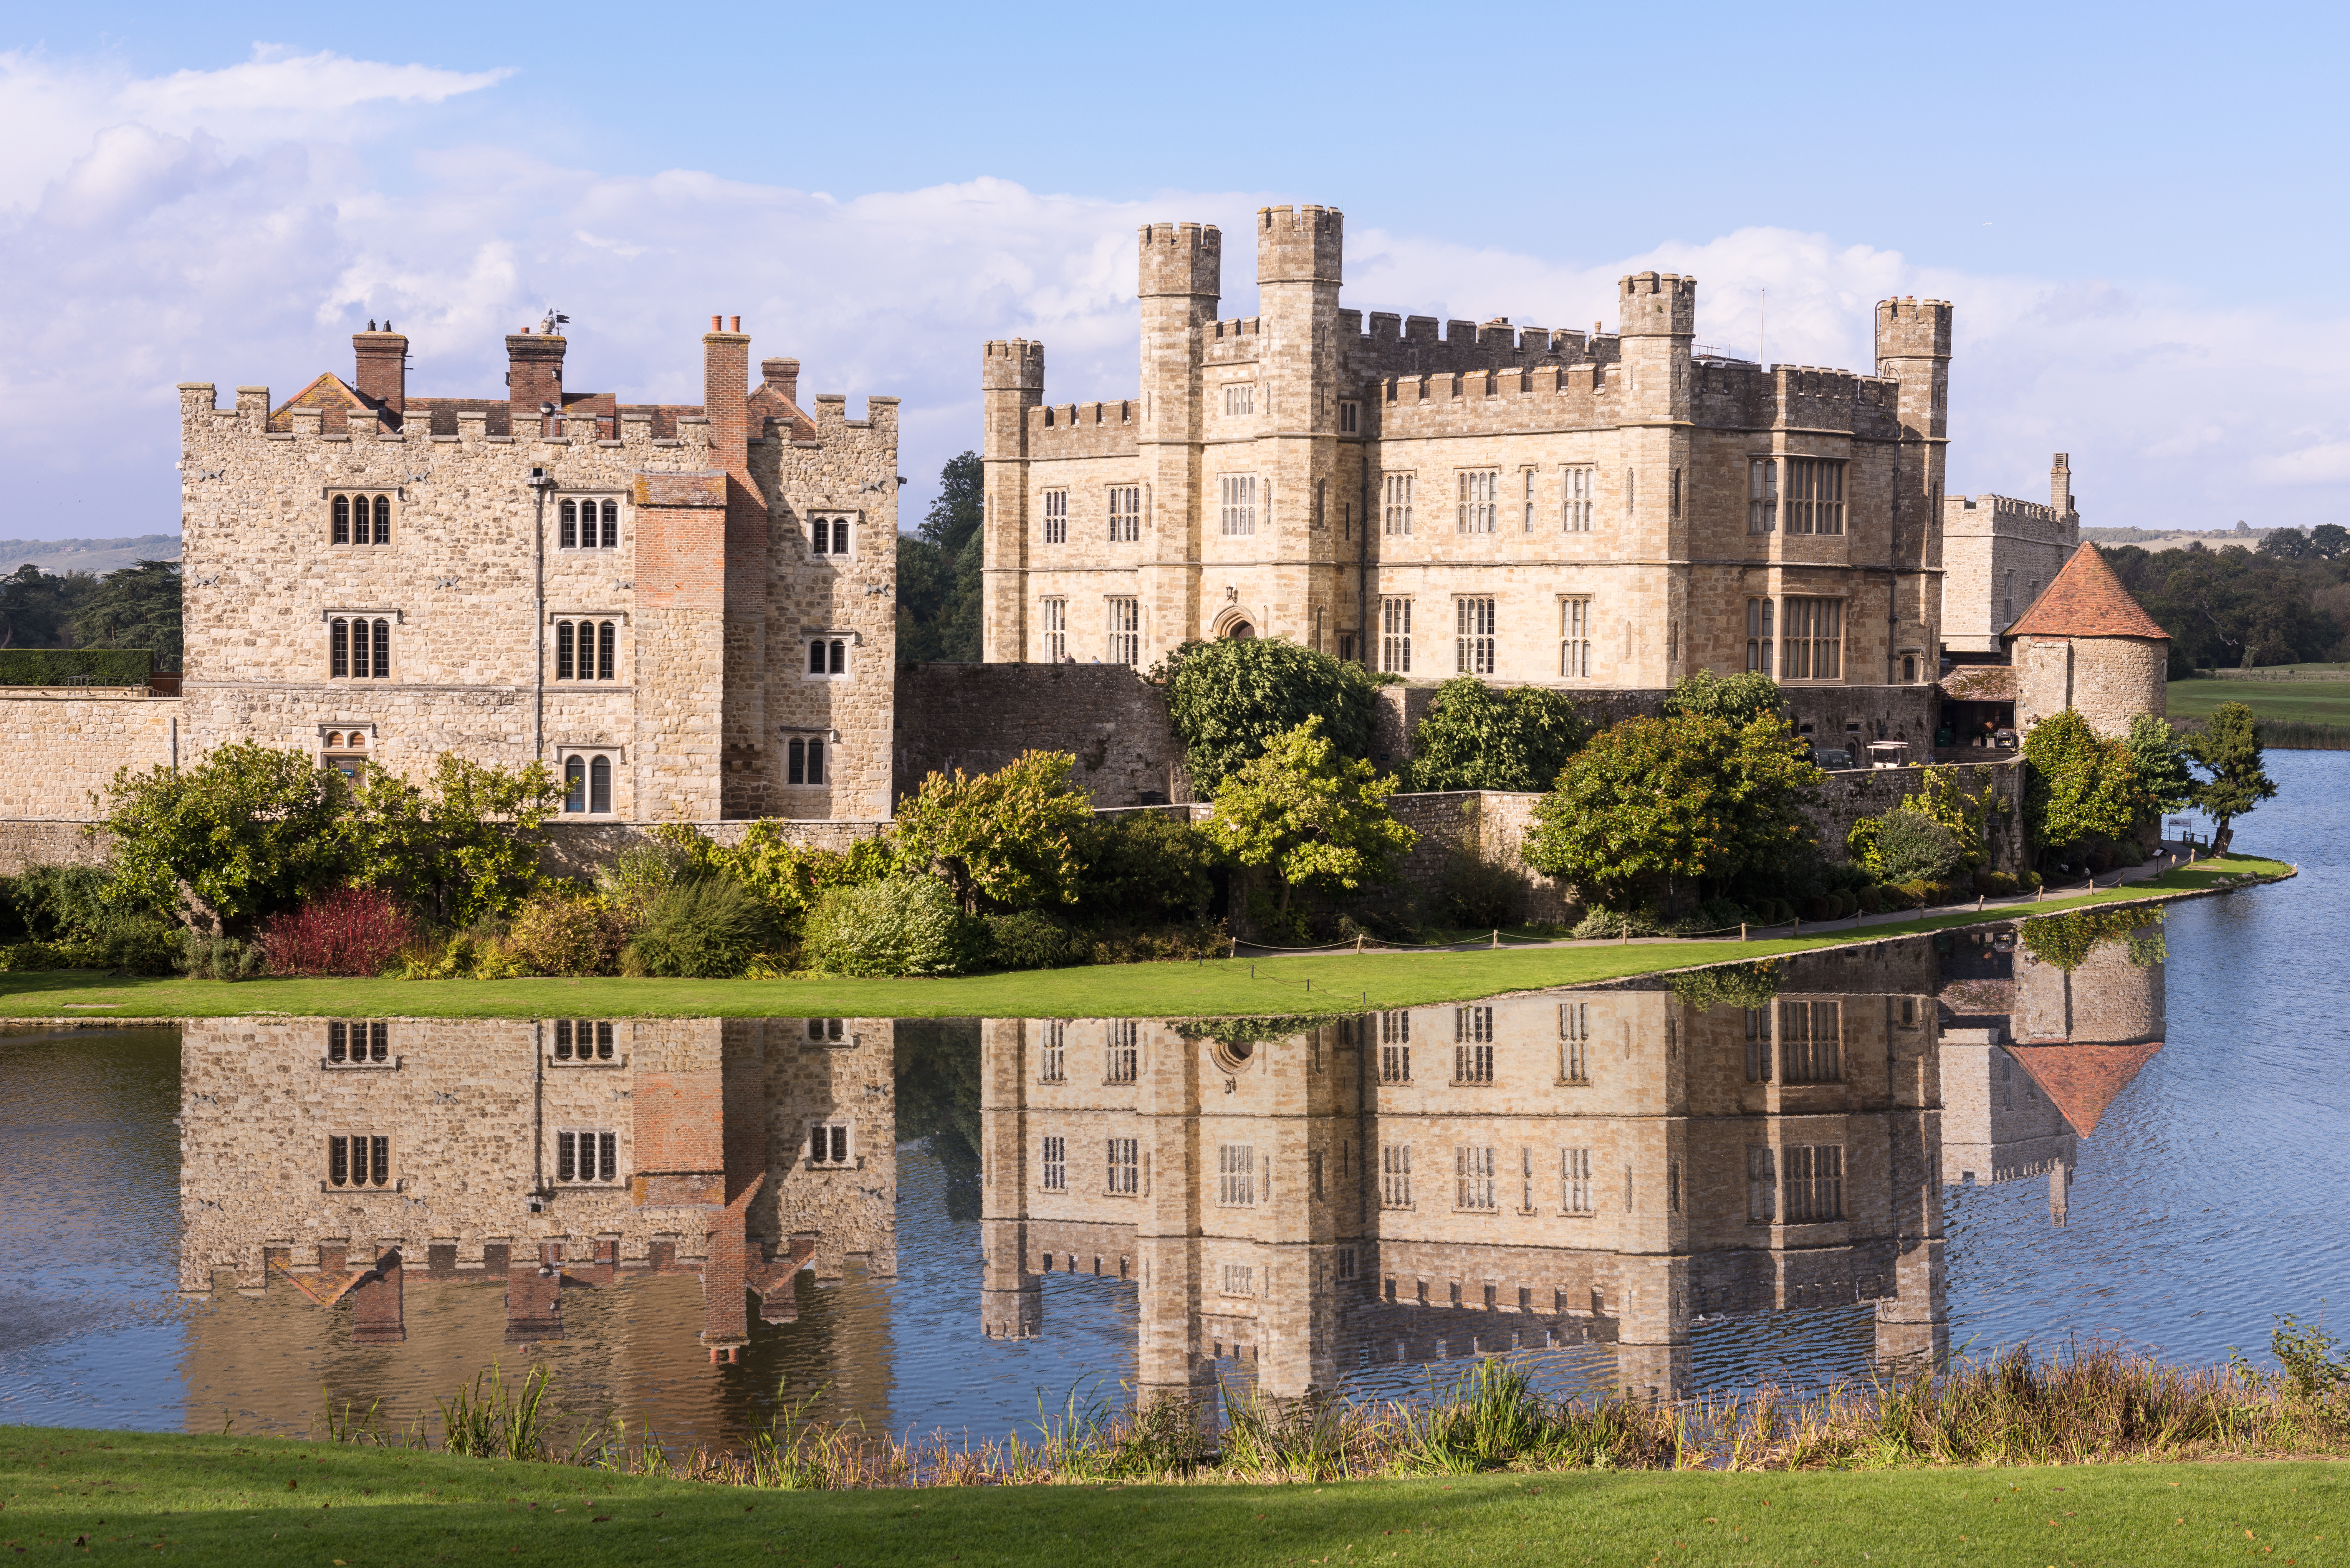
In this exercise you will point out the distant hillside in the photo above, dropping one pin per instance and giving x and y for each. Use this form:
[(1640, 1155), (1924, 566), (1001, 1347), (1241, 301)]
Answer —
[(97, 556), (2212, 538)]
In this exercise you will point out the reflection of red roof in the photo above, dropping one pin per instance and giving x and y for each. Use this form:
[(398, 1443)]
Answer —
[(2087, 600), (2084, 1079)]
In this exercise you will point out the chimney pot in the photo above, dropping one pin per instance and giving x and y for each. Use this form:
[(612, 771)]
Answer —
[(717, 322), (737, 326)]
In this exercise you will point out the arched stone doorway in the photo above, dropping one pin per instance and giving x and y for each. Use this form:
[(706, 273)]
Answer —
[(1240, 631)]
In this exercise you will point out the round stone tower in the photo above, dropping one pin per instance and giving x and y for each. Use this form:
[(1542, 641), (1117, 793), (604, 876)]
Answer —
[(2086, 644)]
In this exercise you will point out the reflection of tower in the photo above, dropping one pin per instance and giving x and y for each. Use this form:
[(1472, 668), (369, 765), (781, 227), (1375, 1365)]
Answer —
[(1012, 1303), (2083, 1034)]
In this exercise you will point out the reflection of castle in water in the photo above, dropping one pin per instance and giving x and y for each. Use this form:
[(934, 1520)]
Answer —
[(1606, 1165), (1613, 1167), (350, 1157), (2033, 1053)]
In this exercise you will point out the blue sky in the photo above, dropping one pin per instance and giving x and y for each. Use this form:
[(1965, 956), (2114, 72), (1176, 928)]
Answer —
[(2133, 211)]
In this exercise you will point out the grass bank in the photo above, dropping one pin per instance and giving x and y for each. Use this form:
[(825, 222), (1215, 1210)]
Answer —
[(2302, 715), (80, 1495), (1332, 984)]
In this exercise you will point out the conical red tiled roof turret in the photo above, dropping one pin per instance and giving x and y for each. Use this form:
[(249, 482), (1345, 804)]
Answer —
[(2087, 600)]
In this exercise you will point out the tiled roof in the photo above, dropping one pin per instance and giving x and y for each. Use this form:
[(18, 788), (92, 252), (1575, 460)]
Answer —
[(2084, 1079), (1981, 683), (2087, 600)]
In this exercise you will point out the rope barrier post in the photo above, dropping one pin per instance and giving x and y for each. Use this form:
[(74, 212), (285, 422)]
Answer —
[(1795, 928), (1741, 931), (1624, 939), (1497, 936)]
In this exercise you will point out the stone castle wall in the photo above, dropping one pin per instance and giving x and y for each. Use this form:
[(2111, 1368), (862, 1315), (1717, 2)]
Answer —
[(980, 717), (60, 750)]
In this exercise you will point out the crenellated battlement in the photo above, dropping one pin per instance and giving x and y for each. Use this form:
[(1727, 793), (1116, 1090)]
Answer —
[(1016, 365), (1179, 259), (1300, 244), (1655, 305), (1913, 328), (1103, 429)]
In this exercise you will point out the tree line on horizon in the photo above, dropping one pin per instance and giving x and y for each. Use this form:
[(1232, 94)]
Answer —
[(136, 606)]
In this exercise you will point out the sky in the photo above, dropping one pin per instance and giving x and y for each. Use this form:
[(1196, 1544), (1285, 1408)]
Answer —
[(2123, 206)]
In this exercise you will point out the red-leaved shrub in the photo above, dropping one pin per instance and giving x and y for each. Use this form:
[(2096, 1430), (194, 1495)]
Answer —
[(352, 930)]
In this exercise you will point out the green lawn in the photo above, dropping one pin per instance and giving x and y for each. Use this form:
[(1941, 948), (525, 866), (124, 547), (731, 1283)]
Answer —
[(2311, 701), (261, 1503), (1339, 984)]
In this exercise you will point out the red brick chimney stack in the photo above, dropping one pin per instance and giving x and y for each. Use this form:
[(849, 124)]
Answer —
[(382, 373), (725, 394), (534, 376), (784, 375)]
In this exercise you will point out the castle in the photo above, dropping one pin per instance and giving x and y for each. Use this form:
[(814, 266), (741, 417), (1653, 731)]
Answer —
[(1610, 510), (688, 612)]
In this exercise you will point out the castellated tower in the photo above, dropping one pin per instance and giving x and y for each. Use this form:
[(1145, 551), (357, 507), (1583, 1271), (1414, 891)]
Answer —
[(1601, 510), (1913, 349), (1012, 383)]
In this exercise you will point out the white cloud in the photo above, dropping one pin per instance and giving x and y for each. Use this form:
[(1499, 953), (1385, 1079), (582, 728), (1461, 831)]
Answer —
[(166, 234)]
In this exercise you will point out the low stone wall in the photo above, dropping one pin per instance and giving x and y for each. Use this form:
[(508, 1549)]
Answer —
[(578, 848), (980, 717)]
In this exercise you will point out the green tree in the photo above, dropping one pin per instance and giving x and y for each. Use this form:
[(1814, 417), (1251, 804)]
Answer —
[(464, 844), (36, 608), (938, 597), (138, 607), (1015, 838), (246, 830), (1231, 700), (2229, 748), (1688, 796), (2163, 776), (1476, 737), (1737, 700), (1143, 867), (1310, 817), (2078, 786)]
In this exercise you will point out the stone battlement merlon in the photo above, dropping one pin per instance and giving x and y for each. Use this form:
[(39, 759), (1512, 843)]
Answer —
[(1300, 244), (1505, 397), (1180, 260)]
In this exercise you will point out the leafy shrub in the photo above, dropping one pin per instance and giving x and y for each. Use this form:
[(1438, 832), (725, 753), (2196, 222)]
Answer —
[(1867, 900), (1601, 921), (482, 953), (709, 927), (1183, 941), (1994, 884), (350, 931), (560, 934), (1033, 940), (137, 944), (636, 877), (1476, 737), (203, 957), (1910, 845), (1479, 893), (906, 925), (1736, 699), (1231, 700), (1145, 866), (32, 958), (1014, 839)]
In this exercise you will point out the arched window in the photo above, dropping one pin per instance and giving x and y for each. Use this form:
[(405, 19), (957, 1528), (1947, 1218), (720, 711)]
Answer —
[(563, 647), (383, 651), (575, 784), (383, 519), (599, 783), (338, 649), (570, 515), (342, 519), (816, 658), (839, 657), (611, 525), (1909, 667), (607, 644), (816, 761)]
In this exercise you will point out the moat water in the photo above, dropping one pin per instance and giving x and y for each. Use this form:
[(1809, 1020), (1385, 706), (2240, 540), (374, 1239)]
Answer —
[(2050, 1135)]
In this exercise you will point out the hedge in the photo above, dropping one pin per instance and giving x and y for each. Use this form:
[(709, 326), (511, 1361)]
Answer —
[(76, 666)]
